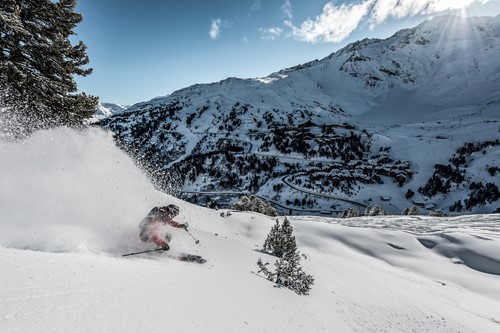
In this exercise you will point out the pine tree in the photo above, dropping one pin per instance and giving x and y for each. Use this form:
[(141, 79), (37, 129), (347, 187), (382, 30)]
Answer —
[(288, 241), (280, 240), (254, 204), (436, 213), (38, 62), (272, 239), (288, 272), (375, 211), (414, 210), (348, 213)]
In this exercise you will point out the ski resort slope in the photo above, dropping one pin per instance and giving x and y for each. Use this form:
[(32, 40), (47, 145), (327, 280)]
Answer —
[(70, 203)]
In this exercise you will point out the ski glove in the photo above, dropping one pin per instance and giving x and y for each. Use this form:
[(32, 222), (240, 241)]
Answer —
[(185, 226), (165, 247)]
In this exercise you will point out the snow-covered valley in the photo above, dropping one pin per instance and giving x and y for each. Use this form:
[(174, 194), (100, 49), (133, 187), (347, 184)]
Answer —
[(70, 203)]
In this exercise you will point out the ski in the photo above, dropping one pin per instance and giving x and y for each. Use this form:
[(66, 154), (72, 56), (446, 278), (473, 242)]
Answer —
[(141, 252), (187, 257), (180, 257)]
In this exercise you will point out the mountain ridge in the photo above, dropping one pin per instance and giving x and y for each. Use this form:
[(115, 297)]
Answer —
[(345, 120)]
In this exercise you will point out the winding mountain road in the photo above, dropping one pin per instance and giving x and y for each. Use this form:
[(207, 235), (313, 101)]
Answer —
[(285, 181)]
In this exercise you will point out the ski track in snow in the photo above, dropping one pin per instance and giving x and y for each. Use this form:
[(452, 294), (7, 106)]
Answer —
[(372, 274)]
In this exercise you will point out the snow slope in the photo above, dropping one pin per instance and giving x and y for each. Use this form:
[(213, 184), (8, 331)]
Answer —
[(70, 203)]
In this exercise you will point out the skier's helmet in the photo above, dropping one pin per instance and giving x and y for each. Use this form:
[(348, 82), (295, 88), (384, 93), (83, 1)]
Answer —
[(172, 210)]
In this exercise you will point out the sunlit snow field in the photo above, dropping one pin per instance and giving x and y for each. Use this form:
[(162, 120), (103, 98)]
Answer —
[(70, 203)]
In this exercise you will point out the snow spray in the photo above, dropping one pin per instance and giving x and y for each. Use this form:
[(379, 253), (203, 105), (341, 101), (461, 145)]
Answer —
[(66, 190)]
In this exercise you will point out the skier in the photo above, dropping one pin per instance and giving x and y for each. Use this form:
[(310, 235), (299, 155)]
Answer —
[(152, 226)]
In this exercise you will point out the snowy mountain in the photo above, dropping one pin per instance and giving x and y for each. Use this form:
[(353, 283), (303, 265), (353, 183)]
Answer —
[(412, 119), (70, 204), (105, 110)]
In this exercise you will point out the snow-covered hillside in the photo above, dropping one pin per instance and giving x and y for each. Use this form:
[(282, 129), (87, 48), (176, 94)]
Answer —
[(412, 119), (70, 203)]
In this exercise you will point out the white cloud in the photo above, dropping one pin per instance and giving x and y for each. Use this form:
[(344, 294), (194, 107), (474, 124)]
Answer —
[(270, 33), (338, 21), (333, 25), (215, 28), (286, 9)]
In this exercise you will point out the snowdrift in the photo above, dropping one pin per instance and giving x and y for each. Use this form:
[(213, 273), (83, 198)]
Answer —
[(70, 203)]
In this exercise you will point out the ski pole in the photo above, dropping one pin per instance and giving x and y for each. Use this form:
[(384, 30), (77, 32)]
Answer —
[(134, 253), (196, 241)]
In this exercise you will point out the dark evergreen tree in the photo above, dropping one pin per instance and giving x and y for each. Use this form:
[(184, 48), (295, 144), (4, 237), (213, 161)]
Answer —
[(348, 213), (272, 239), (254, 204), (436, 213), (280, 240), (38, 63), (414, 210), (290, 274), (375, 211), (288, 271), (289, 245)]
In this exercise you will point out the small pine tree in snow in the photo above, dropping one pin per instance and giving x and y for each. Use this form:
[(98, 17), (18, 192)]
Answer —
[(270, 211), (244, 204), (288, 271), (436, 213), (348, 213), (272, 240), (353, 213), (414, 210), (375, 211), (280, 240), (254, 204), (289, 245)]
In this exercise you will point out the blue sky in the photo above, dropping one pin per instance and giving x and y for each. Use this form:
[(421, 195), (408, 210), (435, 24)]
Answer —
[(143, 49)]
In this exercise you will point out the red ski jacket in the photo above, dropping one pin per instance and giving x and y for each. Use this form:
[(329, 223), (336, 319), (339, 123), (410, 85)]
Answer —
[(151, 227)]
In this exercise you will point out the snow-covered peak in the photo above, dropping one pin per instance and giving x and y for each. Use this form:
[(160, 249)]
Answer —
[(114, 108), (452, 59), (105, 110)]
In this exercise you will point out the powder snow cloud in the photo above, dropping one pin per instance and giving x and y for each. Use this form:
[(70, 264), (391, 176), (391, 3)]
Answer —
[(338, 21)]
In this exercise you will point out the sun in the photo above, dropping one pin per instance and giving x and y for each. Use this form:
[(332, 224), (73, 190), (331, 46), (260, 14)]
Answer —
[(458, 32)]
